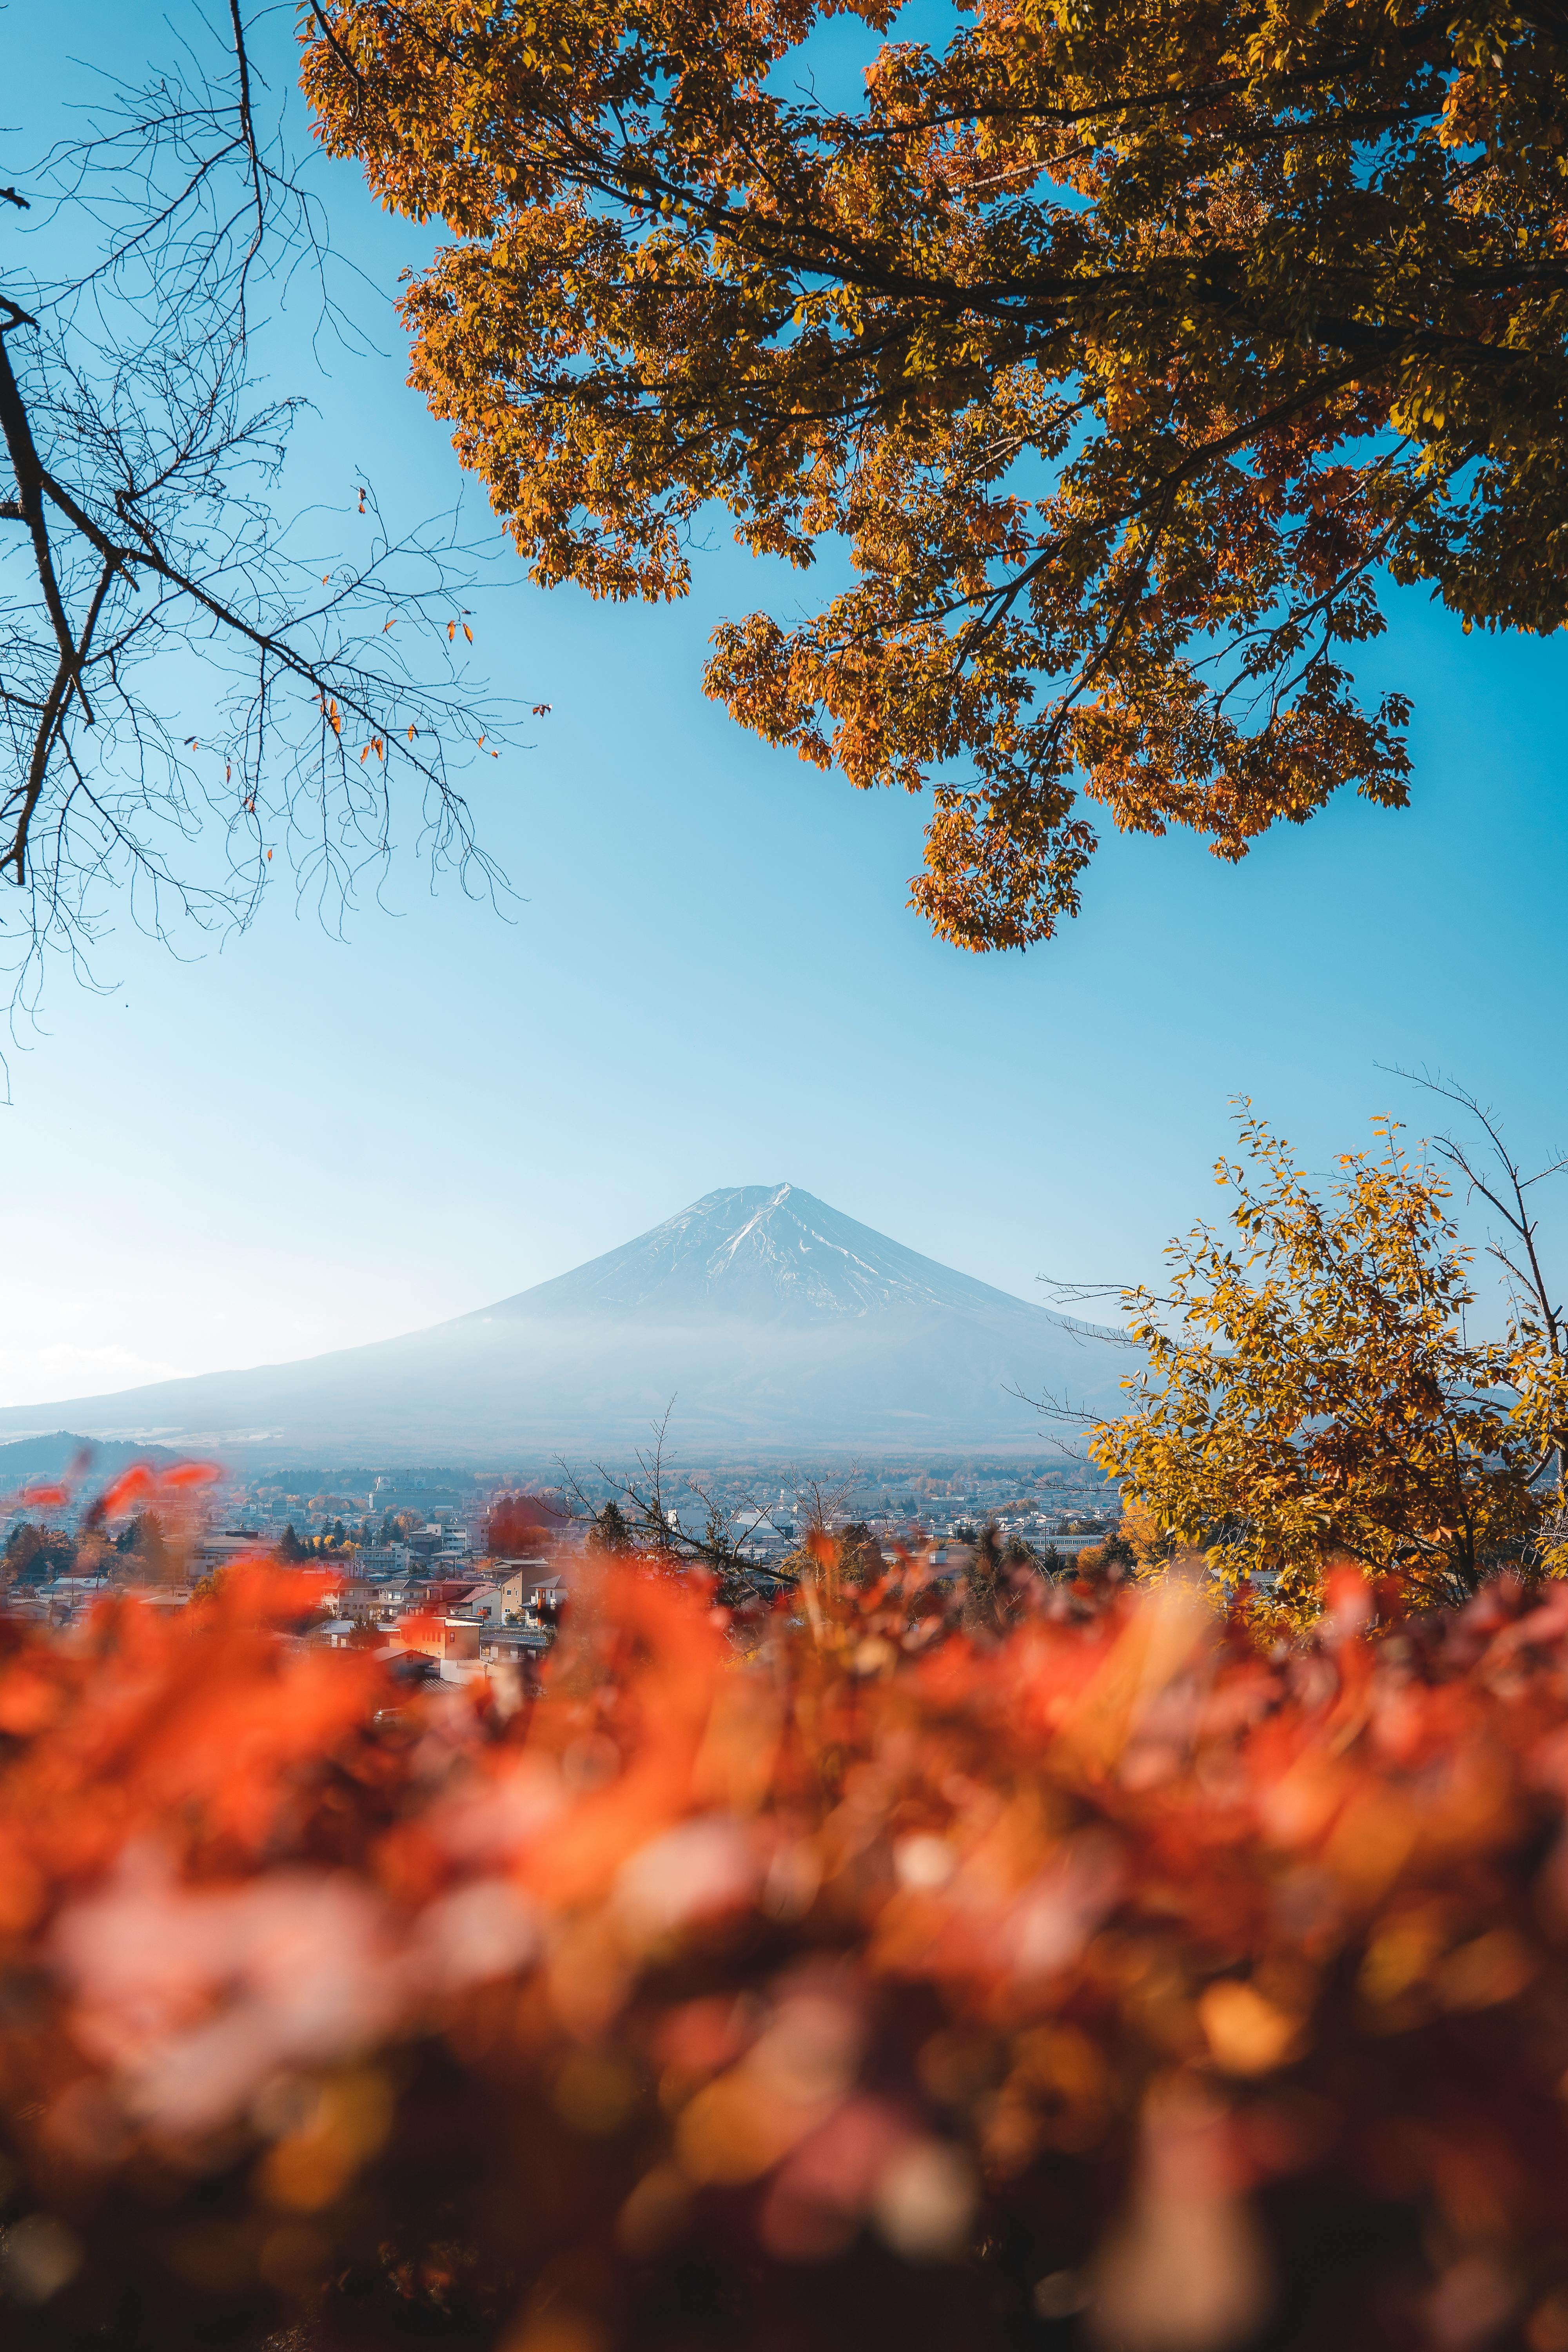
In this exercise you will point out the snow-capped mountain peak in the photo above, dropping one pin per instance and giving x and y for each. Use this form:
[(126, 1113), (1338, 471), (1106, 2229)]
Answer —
[(760, 1252), (771, 1320)]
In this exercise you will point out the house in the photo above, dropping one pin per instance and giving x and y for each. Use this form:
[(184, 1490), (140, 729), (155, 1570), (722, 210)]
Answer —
[(396, 1594), (515, 1581), (438, 1540), (327, 1634), (545, 1597), (445, 1593), (383, 1560), (220, 1547), (765, 1535), (63, 1597), (508, 1660), (355, 1596), (406, 1666), (513, 1643), (485, 1602), (451, 1642), (424, 1594), (344, 1634)]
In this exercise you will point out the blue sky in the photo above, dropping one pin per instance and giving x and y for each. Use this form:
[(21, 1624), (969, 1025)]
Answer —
[(710, 978)]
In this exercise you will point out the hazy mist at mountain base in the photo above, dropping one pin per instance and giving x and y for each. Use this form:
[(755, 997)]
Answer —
[(770, 1318)]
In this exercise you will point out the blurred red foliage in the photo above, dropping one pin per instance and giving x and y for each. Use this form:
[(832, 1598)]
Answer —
[(868, 1974)]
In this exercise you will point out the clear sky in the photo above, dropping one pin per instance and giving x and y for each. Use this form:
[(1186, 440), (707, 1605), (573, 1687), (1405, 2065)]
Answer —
[(710, 978)]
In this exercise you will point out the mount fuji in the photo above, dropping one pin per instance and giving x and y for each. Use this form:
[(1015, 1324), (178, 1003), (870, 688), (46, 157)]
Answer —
[(772, 1320)]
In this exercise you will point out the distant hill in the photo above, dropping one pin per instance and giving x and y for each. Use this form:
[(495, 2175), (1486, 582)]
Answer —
[(52, 1455), (774, 1320)]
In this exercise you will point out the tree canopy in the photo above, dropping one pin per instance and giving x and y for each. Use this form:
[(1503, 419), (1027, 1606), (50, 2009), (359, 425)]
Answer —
[(1127, 348), (35, 1552), (1311, 1391)]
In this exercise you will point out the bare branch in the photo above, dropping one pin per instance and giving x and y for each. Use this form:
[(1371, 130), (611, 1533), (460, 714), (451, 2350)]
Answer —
[(654, 1528), (334, 690)]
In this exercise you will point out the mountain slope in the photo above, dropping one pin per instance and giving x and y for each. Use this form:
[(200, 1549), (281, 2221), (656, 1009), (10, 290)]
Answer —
[(772, 1319), (763, 1252)]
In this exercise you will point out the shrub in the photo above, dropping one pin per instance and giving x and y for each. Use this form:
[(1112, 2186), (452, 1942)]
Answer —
[(842, 1978)]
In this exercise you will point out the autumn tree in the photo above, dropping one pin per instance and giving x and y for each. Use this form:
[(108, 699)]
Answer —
[(860, 1552), (1308, 1390), (1127, 349), (199, 691), (34, 1553), (983, 1585), (518, 1524)]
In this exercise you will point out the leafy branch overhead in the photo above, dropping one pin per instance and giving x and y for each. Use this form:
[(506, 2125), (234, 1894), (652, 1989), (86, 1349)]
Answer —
[(176, 658), (1127, 349)]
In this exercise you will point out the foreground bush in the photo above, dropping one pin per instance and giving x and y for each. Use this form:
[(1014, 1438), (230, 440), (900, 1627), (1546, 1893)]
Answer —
[(864, 1979)]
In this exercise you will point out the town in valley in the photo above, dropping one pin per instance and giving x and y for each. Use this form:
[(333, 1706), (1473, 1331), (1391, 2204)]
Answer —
[(459, 1576)]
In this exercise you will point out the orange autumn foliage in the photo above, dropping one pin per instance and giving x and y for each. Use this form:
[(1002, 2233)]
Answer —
[(846, 1978), (110, 1738), (518, 1524), (1124, 352)]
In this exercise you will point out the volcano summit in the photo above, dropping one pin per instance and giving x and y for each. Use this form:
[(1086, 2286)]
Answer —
[(773, 1321)]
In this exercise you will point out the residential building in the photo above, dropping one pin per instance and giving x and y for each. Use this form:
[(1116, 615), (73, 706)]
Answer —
[(484, 1603), (452, 1641), (513, 1642), (221, 1546), (515, 1580), (65, 1597), (383, 1560), (406, 1666), (545, 1599), (352, 1596)]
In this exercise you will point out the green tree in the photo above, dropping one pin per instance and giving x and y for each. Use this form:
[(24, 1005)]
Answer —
[(290, 1547), (145, 1547), (609, 1531)]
